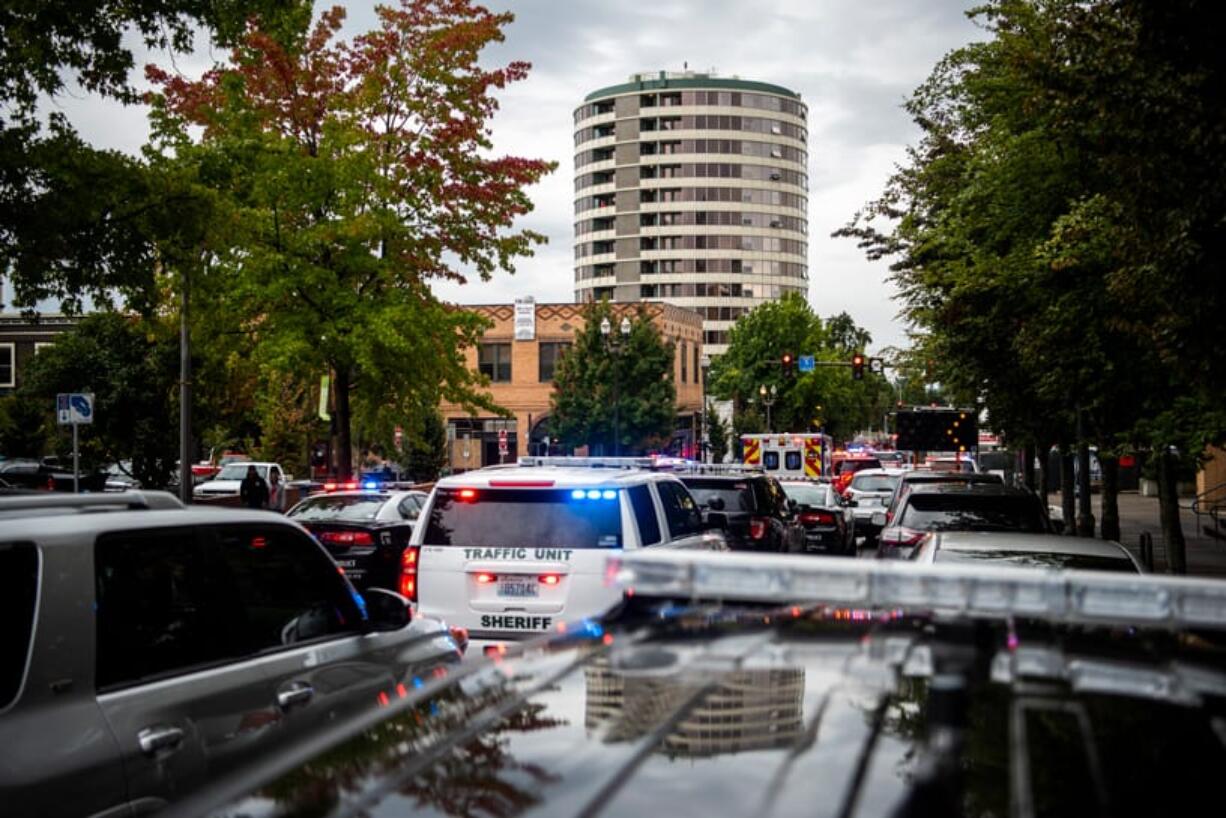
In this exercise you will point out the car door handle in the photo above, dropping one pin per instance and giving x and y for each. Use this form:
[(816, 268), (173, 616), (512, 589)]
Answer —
[(159, 737), (295, 694)]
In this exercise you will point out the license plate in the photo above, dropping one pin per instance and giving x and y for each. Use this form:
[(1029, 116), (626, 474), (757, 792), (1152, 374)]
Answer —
[(518, 590)]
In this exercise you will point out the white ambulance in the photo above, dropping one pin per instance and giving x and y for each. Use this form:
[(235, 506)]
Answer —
[(789, 455), (512, 552)]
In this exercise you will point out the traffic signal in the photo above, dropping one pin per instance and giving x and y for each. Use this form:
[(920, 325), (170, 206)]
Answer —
[(857, 367), (786, 362)]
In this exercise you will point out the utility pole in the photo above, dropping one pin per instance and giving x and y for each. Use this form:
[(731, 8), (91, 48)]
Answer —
[(185, 390)]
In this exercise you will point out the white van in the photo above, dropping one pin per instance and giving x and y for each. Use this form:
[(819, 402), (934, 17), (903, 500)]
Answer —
[(512, 552)]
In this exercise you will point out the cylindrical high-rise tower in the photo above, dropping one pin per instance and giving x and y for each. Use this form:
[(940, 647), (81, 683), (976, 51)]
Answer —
[(691, 189)]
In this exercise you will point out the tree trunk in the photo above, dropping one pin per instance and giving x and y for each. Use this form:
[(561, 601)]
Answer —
[(1111, 493), (1168, 504), (1085, 513), (1028, 475), (344, 447), (1068, 500)]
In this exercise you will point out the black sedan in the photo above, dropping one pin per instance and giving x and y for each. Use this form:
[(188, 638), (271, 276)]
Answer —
[(829, 523), (364, 531)]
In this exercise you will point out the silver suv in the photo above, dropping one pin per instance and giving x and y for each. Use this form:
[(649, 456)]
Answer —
[(145, 652)]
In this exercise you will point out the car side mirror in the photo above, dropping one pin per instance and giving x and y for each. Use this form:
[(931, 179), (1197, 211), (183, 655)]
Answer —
[(878, 519), (715, 521), (716, 504), (386, 610)]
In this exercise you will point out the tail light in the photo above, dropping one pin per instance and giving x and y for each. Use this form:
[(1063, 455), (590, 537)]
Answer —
[(550, 579), (817, 518), (485, 578), (408, 573), (346, 538), (757, 528), (902, 536)]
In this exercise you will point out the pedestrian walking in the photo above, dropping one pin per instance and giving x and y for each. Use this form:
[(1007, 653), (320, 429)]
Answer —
[(276, 491), (253, 490)]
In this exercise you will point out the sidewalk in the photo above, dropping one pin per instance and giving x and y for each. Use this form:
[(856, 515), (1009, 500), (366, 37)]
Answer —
[(1206, 555)]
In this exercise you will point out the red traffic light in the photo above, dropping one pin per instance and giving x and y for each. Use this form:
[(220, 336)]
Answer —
[(787, 358), (857, 360)]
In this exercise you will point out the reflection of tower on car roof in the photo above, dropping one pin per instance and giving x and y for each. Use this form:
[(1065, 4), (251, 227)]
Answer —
[(746, 710)]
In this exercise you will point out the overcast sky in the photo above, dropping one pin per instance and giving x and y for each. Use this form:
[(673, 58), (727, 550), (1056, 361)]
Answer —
[(852, 61)]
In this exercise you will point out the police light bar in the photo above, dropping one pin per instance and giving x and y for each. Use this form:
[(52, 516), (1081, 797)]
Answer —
[(589, 462), (1083, 597)]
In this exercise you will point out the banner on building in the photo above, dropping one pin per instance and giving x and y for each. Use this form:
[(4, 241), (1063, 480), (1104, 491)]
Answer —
[(525, 319)]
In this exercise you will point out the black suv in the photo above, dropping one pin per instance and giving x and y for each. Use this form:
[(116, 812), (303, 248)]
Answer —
[(145, 652), (760, 516)]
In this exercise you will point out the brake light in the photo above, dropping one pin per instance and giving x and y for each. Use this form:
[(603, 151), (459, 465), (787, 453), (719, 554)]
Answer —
[(346, 537), (817, 518), (903, 536), (467, 494), (329, 486), (550, 579), (757, 528), (486, 579), (408, 573)]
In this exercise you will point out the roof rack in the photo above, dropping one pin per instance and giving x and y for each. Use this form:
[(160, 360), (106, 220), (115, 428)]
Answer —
[(136, 499), (1069, 597)]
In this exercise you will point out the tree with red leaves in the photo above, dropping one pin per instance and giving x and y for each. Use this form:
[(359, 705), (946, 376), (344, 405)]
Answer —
[(358, 172)]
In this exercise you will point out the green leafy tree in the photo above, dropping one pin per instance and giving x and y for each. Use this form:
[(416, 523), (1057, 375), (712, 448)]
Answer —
[(828, 395), (357, 172), (427, 448), (1051, 224), (24, 427), (596, 388), (131, 367)]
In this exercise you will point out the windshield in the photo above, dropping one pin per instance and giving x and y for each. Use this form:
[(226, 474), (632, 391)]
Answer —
[(237, 471), (965, 512), (1032, 559), (525, 518), (874, 482), (737, 496), (807, 494), (341, 508)]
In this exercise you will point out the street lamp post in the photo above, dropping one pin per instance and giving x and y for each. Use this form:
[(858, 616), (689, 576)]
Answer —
[(616, 348), (704, 430), (768, 400)]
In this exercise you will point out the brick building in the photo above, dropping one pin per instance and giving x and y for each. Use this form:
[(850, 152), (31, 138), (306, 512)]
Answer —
[(20, 340), (519, 356)]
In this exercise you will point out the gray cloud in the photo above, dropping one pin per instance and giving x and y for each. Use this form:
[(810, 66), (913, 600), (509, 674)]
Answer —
[(853, 62)]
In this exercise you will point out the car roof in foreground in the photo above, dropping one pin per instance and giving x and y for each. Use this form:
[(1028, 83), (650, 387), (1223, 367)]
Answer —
[(837, 701), (71, 527)]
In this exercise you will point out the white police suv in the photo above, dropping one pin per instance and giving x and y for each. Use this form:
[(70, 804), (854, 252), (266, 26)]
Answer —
[(510, 552)]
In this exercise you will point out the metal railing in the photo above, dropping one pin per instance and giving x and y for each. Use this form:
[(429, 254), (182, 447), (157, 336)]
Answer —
[(1211, 503)]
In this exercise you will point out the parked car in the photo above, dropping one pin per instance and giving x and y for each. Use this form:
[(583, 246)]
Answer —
[(828, 521), (757, 510), (1024, 550), (736, 684), (870, 490), (228, 481), (33, 474), (365, 531), (147, 652), (119, 477), (959, 507)]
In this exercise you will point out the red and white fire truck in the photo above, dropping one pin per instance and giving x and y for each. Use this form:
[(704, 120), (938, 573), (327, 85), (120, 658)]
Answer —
[(798, 455)]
